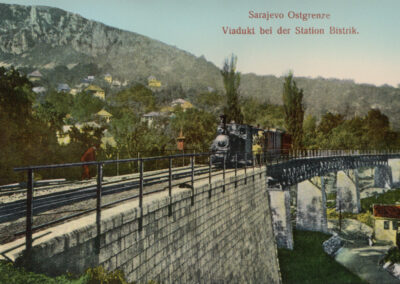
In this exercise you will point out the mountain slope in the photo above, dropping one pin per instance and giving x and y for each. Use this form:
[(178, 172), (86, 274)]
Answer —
[(44, 37), (66, 47)]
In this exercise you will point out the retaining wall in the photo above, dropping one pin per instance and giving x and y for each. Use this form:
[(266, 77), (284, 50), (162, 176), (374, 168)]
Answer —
[(225, 238)]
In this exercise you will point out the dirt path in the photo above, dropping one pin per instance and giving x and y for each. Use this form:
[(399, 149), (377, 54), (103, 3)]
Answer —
[(363, 261), (357, 256)]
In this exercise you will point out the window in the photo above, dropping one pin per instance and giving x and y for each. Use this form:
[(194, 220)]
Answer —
[(394, 225), (386, 225)]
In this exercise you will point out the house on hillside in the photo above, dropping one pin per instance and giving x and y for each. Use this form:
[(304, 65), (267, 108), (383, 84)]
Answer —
[(96, 91), (64, 88), (386, 223), (108, 78), (88, 79), (151, 117), (116, 84), (35, 76), (39, 90), (153, 82), (74, 91), (182, 103), (104, 115)]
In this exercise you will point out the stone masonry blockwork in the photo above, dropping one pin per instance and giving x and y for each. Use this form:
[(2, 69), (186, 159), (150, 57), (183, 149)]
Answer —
[(227, 238)]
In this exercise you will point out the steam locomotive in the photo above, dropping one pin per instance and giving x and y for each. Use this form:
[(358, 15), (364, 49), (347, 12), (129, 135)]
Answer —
[(243, 144)]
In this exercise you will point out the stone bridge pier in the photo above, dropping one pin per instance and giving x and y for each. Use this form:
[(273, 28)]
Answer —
[(394, 165), (280, 210), (311, 205), (383, 177), (348, 191)]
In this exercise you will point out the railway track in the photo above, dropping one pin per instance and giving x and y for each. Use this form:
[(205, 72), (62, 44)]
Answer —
[(14, 210)]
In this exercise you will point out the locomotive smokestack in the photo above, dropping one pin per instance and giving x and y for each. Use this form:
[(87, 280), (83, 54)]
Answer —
[(222, 118)]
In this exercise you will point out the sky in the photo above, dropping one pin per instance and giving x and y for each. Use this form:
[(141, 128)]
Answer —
[(372, 56)]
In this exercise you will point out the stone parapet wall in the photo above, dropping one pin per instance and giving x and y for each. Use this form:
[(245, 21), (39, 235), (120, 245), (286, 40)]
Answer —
[(225, 238)]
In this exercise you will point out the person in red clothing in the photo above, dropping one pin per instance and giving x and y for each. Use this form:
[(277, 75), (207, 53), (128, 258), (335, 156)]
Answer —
[(88, 156)]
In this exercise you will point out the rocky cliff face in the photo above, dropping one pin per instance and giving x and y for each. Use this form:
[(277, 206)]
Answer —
[(44, 37), (23, 28)]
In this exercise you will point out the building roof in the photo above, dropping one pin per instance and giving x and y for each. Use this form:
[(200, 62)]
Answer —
[(183, 103), (39, 90), (152, 114), (94, 88), (103, 112), (178, 102), (90, 124), (35, 73), (116, 83), (63, 87), (387, 211)]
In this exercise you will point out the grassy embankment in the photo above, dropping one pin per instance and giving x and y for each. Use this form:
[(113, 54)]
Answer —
[(308, 263), (9, 273)]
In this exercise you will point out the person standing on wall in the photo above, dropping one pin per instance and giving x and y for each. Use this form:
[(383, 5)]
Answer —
[(88, 156)]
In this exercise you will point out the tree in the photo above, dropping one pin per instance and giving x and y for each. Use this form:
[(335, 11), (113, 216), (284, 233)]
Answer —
[(210, 101), (24, 139), (231, 80), (377, 129), (54, 107), (294, 110), (198, 127), (137, 99), (85, 106), (329, 121), (310, 131)]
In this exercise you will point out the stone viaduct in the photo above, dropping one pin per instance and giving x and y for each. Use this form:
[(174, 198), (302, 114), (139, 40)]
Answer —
[(308, 176), (229, 234)]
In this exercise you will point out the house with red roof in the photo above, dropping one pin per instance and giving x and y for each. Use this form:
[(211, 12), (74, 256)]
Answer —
[(386, 222)]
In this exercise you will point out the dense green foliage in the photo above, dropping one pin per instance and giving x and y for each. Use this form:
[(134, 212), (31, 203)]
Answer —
[(364, 217), (389, 197), (31, 124), (24, 137), (99, 275), (393, 255), (308, 263), (231, 80), (210, 101), (137, 99), (294, 110), (260, 113), (198, 126), (328, 95), (11, 274), (372, 131)]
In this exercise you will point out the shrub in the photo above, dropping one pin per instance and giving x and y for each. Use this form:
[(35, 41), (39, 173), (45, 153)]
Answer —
[(99, 275), (393, 255), (365, 217)]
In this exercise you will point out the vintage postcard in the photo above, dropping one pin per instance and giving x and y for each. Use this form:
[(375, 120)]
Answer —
[(199, 141)]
